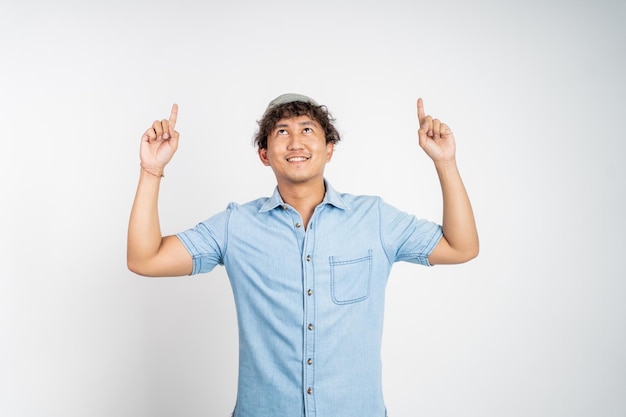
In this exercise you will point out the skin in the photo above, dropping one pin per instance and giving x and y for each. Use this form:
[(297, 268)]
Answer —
[(297, 152), (148, 252), (460, 238)]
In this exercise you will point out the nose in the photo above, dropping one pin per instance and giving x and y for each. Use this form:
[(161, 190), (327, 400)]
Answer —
[(295, 142)]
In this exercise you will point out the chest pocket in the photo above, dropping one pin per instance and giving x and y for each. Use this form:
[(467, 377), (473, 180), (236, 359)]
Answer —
[(350, 278)]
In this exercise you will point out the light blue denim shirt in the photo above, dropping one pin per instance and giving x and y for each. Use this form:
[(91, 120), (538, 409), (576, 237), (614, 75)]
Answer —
[(310, 303)]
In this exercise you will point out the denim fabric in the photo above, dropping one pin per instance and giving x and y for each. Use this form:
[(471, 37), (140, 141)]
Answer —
[(310, 303)]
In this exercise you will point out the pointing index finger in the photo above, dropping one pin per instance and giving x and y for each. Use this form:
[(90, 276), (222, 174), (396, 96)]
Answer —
[(173, 116), (420, 110)]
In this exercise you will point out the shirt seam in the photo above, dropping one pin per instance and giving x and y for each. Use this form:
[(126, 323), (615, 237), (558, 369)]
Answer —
[(380, 233)]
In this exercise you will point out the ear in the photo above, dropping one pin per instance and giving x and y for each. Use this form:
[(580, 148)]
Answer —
[(330, 148), (263, 157)]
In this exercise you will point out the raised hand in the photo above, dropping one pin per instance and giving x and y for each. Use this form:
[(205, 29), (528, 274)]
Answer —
[(159, 143), (435, 138)]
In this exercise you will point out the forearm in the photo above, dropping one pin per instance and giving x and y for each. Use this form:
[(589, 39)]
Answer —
[(144, 230), (459, 226)]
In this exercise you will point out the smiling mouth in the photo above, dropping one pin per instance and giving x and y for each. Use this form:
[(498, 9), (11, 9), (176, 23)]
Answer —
[(297, 159)]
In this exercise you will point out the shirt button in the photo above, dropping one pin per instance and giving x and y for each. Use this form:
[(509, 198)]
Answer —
[(308, 258), (298, 225), (309, 391), (284, 207), (310, 361), (310, 326), (310, 292)]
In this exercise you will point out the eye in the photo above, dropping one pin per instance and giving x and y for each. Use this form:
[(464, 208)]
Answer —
[(281, 131), (307, 130)]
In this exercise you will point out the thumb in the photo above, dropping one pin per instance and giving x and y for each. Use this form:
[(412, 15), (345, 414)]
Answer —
[(173, 140), (422, 134)]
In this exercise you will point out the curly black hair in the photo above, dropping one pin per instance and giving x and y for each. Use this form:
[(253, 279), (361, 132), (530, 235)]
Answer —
[(294, 109)]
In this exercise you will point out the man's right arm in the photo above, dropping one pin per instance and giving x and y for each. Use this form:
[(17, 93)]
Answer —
[(148, 252)]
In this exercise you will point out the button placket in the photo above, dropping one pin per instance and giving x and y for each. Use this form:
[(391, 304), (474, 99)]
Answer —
[(309, 322)]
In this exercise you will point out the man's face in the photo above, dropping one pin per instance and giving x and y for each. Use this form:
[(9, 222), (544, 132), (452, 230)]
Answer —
[(297, 151)]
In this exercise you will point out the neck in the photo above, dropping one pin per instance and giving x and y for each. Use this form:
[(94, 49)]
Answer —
[(303, 197)]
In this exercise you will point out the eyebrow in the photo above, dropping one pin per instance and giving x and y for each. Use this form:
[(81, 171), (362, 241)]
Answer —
[(306, 123)]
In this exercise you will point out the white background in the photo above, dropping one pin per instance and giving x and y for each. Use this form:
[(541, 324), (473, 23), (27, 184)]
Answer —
[(534, 91)]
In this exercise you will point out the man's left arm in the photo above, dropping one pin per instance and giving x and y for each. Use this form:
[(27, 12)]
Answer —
[(460, 238)]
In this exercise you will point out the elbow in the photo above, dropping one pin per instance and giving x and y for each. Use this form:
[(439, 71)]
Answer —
[(136, 267), (448, 255), (462, 257), (471, 252), (132, 262), (138, 263), (466, 254), (132, 267)]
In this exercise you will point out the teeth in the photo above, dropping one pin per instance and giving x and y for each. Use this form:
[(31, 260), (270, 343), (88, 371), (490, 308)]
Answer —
[(297, 159)]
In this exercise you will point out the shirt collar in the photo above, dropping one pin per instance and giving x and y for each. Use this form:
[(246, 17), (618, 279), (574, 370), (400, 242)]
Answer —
[(331, 197)]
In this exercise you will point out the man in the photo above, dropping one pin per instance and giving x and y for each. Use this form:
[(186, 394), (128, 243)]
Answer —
[(308, 266)]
